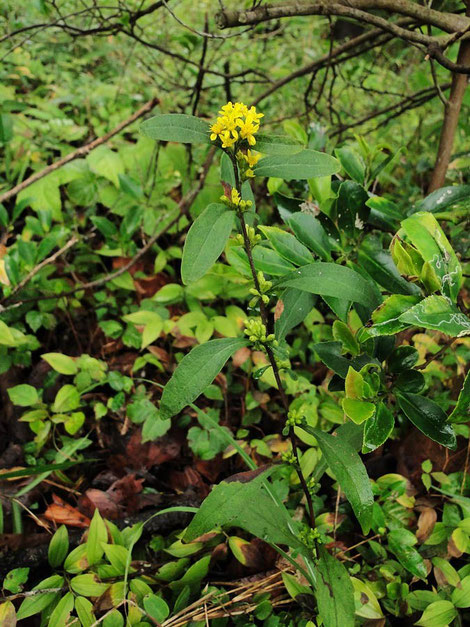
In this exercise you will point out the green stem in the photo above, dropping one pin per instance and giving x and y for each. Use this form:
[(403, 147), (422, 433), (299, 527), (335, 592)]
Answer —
[(270, 354)]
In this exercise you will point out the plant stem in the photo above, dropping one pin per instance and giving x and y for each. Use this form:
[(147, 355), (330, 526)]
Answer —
[(270, 354)]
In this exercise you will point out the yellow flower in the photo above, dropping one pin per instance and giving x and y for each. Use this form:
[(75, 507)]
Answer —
[(236, 122), (227, 139), (235, 197), (252, 158), (217, 128)]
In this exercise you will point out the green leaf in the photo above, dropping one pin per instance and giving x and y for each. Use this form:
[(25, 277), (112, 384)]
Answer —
[(176, 127), (358, 410), (97, 536), (294, 305), (386, 317), (243, 501), (205, 241), (330, 279), (379, 264), (330, 355), (352, 163), (88, 585), (384, 213), (436, 312), (58, 546), (461, 412), (287, 245), (310, 232), (43, 196), (438, 614), (265, 259), (15, 579), (195, 372), (84, 609), (23, 395), (156, 607), (117, 555), (333, 591), (423, 231), (401, 543), (378, 429), (443, 198), (6, 335), (278, 144), (62, 611), (342, 333), (350, 473), (428, 417), (365, 601), (35, 604), (402, 358), (303, 165), (107, 163), (461, 595), (67, 399), (152, 323), (61, 363)]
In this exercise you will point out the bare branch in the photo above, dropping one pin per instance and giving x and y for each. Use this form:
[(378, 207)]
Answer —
[(80, 152)]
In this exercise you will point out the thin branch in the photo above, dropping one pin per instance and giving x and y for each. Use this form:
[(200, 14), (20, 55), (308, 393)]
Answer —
[(184, 205), (38, 268), (80, 152)]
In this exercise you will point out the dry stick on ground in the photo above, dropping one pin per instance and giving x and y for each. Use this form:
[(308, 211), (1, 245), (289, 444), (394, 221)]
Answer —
[(183, 206), (80, 152)]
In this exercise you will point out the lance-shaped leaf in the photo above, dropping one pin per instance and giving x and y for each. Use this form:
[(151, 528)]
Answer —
[(334, 591), (278, 144), (265, 259), (306, 164), (379, 264), (350, 473), (244, 501), (330, 279), (176, 127), (401, 543), (310, 232), (293, 307), (195, 372), (461, 412), (287, 245), (443, 198), (436, 312), (428, 417), (205, 241)]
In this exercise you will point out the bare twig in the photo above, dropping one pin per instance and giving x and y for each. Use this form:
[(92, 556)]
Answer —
[(183, 206), (38, 268), (80, 152)]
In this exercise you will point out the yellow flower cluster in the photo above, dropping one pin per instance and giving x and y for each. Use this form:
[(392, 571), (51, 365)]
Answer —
[(236, 122)]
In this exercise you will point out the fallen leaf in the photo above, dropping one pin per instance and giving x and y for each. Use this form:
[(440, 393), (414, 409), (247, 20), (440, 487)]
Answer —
[(64, 514), (426, 521)]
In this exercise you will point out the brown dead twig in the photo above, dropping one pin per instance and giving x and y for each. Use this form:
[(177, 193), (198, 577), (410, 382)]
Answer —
[(80, 152), (240, 602)]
